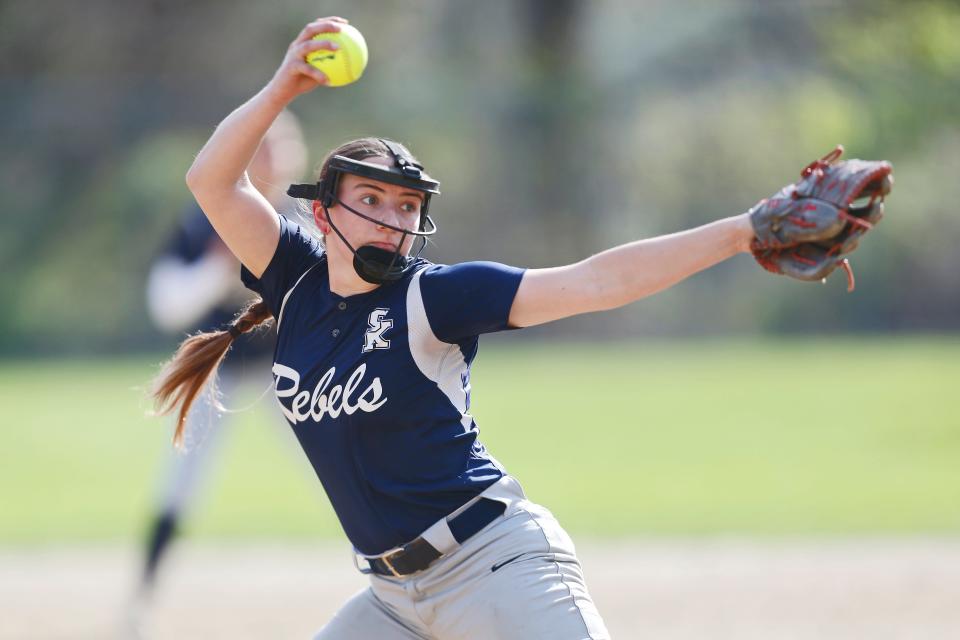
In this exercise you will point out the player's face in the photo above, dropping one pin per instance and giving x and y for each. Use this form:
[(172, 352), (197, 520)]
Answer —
[(391, 204)]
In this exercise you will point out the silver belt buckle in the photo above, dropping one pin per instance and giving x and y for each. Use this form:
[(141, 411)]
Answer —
[(356, 563)]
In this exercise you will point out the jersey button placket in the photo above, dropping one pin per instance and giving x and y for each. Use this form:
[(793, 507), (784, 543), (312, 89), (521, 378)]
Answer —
[(342, 306)]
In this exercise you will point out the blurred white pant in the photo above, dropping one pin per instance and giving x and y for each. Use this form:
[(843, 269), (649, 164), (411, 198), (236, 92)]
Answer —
[(203, 433), (519, 578), (185, 471)]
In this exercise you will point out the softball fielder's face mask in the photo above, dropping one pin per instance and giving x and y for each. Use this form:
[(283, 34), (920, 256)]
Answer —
[(375, 264)]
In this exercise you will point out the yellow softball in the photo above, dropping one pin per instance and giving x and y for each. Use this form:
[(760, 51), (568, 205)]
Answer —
[(346, 64)]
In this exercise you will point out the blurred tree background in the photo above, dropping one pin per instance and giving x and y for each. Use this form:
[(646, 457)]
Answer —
[(558, 128)]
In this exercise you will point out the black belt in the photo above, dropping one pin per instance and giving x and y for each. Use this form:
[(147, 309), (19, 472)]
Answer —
[(418, 554)]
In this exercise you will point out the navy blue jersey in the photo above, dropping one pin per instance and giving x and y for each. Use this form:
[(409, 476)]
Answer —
[(377, 385)]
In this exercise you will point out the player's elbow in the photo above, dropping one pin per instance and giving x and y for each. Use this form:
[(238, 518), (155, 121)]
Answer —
[(194, 178), (200, 179)]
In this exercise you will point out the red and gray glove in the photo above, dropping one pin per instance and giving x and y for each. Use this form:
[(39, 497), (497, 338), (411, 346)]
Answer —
[(806, 229)]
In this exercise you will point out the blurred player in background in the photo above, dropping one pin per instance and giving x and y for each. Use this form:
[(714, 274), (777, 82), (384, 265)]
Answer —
[(193, 286)]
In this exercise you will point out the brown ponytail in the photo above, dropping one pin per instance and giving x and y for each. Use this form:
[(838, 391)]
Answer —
[(195, 364)]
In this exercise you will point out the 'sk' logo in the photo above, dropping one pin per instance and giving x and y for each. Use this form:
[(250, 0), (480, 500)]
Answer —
[(374, 339)]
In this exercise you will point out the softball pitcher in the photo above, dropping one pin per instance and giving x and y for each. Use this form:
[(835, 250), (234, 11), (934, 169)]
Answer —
[(372, 371)]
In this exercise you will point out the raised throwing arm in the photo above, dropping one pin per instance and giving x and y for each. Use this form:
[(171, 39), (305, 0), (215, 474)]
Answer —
[(241, 215)]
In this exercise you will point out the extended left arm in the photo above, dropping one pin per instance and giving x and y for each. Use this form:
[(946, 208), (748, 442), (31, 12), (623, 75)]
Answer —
[(627, 273)]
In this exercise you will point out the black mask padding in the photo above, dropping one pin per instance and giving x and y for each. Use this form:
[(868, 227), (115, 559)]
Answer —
[(376, 265)]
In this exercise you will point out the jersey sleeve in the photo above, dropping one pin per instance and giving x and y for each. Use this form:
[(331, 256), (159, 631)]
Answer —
[(296, 252), (469, 298)]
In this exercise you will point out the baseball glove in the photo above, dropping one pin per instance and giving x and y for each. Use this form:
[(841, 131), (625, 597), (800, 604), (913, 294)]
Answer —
[(806, 229)]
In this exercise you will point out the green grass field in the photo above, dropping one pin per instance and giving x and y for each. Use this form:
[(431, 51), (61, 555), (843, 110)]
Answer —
[(830, 436)]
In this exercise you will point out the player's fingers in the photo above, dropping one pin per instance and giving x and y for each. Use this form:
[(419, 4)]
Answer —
[(329, 19), (320, 21), (316, 45), (305, 69), (323, 25), (302, 35)]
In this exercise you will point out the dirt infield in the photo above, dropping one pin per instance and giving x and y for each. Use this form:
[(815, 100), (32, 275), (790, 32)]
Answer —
[(877, 588)]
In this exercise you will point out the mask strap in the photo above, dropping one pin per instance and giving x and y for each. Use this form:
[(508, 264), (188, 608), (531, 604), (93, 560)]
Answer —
[(367, 264), (326, 213)]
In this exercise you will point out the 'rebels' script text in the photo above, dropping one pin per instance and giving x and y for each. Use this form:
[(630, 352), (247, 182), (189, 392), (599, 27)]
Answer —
[(306, 406)]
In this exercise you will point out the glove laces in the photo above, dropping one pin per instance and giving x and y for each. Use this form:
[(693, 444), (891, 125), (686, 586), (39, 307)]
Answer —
[(817, 167), (824, 162)]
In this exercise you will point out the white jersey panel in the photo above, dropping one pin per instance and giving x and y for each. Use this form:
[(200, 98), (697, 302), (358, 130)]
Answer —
[(439, 361)]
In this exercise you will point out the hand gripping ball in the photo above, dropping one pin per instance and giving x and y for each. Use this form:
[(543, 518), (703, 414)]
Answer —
[(346, 64)]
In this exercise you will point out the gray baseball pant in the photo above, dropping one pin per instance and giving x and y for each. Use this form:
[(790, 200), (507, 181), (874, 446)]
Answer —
[(518, 578)]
